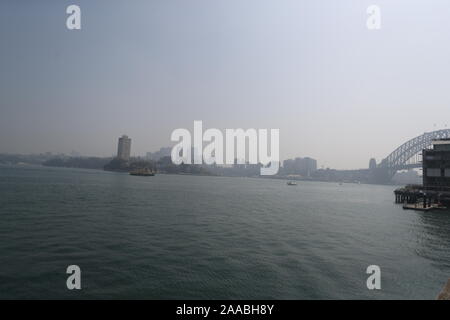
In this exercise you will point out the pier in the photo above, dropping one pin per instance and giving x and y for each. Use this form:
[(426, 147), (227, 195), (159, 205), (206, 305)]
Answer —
[(435, 191), (418, 197)]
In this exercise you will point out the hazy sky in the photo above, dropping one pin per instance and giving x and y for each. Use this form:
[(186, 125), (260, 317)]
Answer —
[(337, 91)]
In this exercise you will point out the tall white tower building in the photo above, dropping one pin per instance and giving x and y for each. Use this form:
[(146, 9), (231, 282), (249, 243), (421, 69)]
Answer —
[(124, 148)]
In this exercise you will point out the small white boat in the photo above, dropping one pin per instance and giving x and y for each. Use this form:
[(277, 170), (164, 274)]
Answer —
[(292, 183)]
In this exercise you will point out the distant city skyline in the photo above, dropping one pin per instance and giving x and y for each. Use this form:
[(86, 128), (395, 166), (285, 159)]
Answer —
[(338, 92)]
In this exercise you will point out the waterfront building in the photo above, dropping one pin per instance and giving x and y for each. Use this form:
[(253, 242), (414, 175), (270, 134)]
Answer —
[(435, 192), (163, 152), (436, 164), (302, 166), (124, 148)]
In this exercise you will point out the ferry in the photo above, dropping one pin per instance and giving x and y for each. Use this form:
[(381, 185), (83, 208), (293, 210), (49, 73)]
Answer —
[(420, 207), (145, 172)]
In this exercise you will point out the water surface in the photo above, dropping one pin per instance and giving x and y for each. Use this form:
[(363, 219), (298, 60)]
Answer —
[(192, 237)]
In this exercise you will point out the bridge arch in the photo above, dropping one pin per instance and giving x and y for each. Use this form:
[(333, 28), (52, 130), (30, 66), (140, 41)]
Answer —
[(398, 159)]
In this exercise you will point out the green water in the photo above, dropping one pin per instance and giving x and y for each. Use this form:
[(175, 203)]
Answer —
[(189, 237)]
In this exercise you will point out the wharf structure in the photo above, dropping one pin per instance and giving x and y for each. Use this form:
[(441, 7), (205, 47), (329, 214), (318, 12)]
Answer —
[(435, 191)]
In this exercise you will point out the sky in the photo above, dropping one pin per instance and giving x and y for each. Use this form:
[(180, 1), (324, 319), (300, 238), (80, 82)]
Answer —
[(337, 91)]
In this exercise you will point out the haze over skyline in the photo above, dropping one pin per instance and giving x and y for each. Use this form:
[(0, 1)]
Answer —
[(337, 91)]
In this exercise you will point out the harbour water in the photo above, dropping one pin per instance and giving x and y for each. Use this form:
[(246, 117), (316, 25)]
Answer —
[(198, 237)]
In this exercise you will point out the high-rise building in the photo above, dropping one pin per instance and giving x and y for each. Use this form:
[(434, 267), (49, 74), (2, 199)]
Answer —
[(372, 164), (303, 166), (309, 166), (124, 148)]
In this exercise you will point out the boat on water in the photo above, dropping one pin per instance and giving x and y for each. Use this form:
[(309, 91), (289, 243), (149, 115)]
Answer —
[(144, 172), (291, 183), (419, 206)]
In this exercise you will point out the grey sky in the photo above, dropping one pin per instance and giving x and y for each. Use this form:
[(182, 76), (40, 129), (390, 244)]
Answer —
[(337, 91)]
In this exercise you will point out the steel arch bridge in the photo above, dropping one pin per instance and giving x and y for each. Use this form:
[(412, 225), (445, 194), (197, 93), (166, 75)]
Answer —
[(408, 155)]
